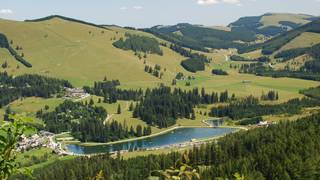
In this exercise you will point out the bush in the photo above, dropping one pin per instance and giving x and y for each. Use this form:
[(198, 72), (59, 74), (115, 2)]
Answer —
[(219, 72)]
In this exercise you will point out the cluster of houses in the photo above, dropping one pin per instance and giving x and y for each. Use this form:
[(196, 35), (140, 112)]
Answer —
[(42, 139), (76, 93)]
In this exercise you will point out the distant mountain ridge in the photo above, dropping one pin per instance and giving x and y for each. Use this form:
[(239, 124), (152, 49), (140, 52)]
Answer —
[(239, 34), (200, 37)]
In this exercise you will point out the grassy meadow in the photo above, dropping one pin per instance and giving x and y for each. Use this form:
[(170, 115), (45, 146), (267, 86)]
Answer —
[(275, 18)]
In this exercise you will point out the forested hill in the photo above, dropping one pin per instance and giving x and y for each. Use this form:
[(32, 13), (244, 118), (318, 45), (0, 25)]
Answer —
[(276, 43), (289, 150), (236, 35), (272, 24), (200, 37)]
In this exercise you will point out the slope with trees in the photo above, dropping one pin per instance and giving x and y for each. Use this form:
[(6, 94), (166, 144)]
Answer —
[(13, 88), (288, 150), (271, 46)]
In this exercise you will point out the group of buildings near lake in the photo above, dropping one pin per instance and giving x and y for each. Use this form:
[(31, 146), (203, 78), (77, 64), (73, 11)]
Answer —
[(49, 140)]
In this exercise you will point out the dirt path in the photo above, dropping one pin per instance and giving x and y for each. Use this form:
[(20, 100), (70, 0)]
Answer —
[(111, 115), (108, 118)]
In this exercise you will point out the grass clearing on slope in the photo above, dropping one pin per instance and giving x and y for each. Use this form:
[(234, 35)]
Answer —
[(80, 53), (306, 39), (29, 106), (274, 19)]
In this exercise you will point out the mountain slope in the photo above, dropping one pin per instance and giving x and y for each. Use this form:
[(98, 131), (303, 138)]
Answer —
[(272, 24), (200, 37), (82, 53), (271, 46)]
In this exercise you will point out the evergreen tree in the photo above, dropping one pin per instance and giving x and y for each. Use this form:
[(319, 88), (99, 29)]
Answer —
[(119, 109), (131, 107), (139, 132)]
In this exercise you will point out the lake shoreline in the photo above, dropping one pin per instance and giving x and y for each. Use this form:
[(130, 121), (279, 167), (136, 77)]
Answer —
[(89, 144)]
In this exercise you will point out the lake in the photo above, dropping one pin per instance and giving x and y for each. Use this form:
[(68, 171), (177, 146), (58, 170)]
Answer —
[(176, 136)]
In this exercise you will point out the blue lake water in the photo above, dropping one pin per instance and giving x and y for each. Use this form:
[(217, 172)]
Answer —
[(176, 136)]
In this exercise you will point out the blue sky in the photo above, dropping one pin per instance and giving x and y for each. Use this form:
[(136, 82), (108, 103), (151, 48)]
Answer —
[(146, 13)]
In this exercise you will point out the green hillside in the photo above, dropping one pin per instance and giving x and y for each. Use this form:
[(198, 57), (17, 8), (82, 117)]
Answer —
[(306, 39), (271, 46), (81, 53), (200, 37), (272, 24)]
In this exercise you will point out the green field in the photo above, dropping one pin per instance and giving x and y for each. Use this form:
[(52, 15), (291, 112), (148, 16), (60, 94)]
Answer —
[(29, 106)]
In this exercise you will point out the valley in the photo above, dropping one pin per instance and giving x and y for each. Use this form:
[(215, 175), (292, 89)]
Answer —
[(113, 92)]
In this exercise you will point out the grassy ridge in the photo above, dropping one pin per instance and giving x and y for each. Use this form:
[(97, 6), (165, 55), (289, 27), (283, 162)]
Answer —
[(82, 53)]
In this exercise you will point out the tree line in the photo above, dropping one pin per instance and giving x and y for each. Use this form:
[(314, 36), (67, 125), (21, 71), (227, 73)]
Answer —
[(240, 58), (310, 71), (13, 88), (5, 44), (110, 92), (250, 107), (312, 92)]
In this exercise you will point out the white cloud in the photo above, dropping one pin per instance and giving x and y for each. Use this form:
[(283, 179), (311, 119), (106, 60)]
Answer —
[(210, 2), (6, 11), (207, 2), (137, 7)]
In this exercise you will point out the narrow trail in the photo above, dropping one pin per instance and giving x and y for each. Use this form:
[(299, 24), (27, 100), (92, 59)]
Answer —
[(108, 118), (111, 115)]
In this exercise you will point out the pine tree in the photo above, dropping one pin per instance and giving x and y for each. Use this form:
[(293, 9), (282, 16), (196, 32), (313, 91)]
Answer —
[(139, 131), (174, 82), (131, 107), (193, 115), (4, 65), (91, 103), (119, 109)]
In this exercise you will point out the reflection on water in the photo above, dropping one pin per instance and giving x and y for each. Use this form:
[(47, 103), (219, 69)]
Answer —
[(177, 136)]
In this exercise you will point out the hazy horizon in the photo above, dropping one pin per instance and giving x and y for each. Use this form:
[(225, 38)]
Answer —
[(147, 13)]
